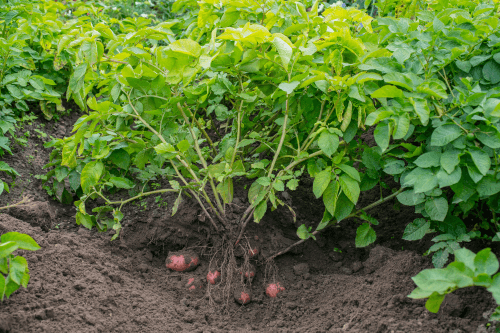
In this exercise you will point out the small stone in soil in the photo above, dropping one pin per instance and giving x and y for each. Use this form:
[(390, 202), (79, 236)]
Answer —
[(335, 256), (356, 266), (346, 271)]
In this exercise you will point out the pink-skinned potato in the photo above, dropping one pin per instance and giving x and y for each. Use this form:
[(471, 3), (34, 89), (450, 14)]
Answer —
[(247, 272), (273, 289), (194, 284), (242, 296), (213, 277), (182, 261)]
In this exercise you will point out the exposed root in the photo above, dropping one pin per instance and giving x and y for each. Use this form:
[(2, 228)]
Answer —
[(224, 261)]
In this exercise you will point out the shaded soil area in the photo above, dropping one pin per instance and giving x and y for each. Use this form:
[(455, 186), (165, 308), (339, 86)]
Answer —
[(82, 282)]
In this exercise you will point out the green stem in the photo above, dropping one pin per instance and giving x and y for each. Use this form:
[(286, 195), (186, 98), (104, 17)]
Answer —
[(376, 203), (143, 194), (202, 159), (238, 134), (205, 134), (25, 200), (314, 127), (179, 174), (282, 139)]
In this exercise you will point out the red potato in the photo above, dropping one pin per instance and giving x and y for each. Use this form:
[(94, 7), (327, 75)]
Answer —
[(273, 289), (182, 261), (213, 277), (194, 284), (248, 273), (242, 296), (253, 252)]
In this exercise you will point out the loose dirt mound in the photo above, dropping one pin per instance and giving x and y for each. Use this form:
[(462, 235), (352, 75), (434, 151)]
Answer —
[(83, 283)]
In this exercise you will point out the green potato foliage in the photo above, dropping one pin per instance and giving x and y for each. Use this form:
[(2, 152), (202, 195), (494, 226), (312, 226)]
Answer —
[(14, 269), (274, 90), (468, 270), (289, 91)]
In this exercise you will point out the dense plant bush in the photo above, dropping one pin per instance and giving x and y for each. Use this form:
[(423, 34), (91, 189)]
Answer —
[(277, 90)]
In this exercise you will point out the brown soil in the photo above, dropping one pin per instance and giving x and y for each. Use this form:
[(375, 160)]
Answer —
[(82, 282)]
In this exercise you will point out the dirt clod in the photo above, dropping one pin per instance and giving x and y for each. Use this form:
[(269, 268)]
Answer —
[(301, 269)]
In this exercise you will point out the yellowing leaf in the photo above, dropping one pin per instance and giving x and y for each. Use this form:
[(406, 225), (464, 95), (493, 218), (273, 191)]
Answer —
[(186, 46)]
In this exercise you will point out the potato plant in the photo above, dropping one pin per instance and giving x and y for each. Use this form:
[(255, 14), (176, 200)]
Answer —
[(277, 90), (15, 268)]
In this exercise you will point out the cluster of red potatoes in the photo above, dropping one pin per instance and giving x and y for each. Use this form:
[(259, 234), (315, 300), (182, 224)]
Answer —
[(187, 261)]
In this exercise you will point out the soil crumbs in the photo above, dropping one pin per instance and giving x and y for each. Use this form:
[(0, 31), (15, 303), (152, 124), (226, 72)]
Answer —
[(82, 282)]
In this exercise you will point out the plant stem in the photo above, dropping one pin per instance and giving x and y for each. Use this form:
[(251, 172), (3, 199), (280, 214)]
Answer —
[(238, 134), (376, 203), (24, 201), (202, 159), (244, 226), (123, 202), (205, 134), (282, 139), (205, 195)]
